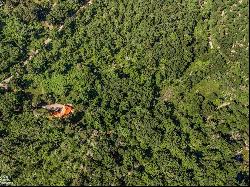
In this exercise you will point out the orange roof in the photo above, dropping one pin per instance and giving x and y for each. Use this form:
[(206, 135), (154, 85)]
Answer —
[(65, 111)]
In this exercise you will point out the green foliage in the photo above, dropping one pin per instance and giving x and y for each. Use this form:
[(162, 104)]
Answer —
[(160, 91)]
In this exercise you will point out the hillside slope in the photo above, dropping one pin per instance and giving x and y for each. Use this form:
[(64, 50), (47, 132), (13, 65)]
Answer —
[(159, 88)]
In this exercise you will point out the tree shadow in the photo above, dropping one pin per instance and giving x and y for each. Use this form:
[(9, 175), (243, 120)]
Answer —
[(77, 117)]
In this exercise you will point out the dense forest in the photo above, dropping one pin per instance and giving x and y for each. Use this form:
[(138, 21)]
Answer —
[(160, 90)]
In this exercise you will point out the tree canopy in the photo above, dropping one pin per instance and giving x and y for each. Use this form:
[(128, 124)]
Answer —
[(160, 91)]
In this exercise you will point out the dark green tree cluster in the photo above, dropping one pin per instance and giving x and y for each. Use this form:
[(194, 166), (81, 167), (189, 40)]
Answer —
[(159, 88)]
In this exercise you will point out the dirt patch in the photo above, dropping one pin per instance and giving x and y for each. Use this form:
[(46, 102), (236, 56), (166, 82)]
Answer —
[(167, 94)]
